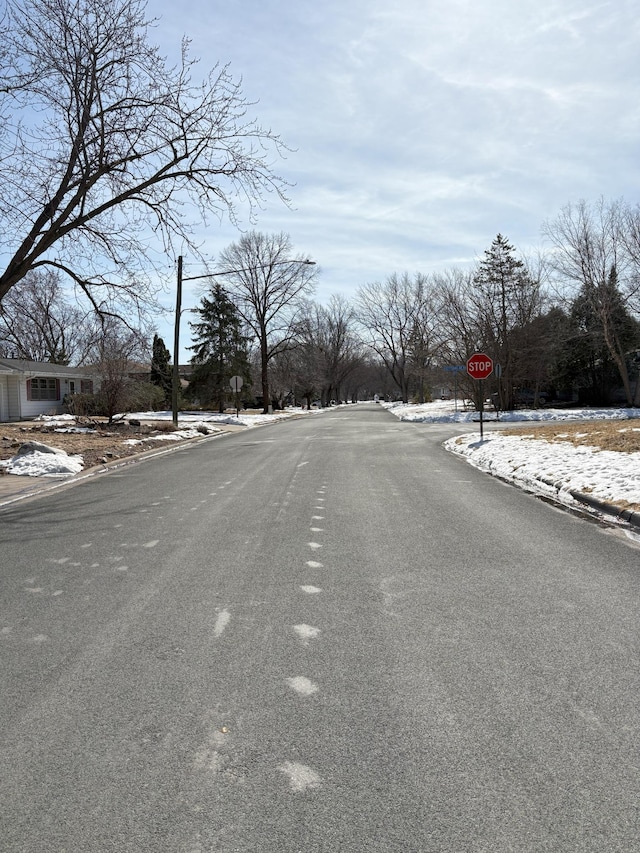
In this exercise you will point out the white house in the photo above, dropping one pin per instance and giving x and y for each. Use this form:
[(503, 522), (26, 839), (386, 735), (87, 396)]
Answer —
[(32, 388)]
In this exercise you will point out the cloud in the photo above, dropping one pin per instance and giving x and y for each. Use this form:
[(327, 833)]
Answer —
[(422, 128)]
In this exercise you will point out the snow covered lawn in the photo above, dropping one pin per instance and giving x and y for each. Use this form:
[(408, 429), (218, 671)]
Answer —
[(555, 468)]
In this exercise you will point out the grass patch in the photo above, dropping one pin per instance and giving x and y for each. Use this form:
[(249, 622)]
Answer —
[(619, 436)]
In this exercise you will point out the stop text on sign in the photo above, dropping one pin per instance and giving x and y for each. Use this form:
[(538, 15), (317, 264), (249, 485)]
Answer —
[(479, 366)]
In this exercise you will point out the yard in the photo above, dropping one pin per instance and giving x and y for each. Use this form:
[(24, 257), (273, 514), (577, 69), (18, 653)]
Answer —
[(97, 446)]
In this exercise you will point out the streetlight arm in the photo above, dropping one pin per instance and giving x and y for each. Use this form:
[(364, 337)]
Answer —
[(306, 262)]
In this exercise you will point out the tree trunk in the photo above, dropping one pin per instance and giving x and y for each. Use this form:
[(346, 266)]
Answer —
[(264, 370), (618, 357)]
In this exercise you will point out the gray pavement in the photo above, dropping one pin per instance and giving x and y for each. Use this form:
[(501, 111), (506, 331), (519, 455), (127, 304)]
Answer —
[(322, 636)]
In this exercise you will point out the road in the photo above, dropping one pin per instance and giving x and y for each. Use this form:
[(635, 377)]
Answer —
[(323, 635)]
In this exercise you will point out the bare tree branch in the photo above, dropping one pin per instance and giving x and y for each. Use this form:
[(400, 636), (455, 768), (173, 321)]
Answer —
[(107, 144), (38, 324)]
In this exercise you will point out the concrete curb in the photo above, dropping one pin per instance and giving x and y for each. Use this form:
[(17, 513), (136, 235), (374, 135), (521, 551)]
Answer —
[(628, 515)]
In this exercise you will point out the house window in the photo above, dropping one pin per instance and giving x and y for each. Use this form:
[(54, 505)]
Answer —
[(86, 386), (42, 388)]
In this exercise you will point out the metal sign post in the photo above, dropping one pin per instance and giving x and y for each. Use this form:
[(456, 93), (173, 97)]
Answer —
[(480, 366), (497, 372), (455, 369), (236, 384)]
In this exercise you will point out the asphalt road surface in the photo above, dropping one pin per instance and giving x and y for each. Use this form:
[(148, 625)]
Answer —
[(323, 635)]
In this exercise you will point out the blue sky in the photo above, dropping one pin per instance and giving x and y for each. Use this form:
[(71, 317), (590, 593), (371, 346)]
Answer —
[(422, 128)]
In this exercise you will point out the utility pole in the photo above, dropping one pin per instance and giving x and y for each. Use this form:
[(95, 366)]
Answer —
[(176, 346)]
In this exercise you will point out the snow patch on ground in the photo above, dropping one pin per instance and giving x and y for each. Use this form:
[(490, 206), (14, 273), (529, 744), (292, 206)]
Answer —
[(554, 469), (202, 418), (448, 411), (301, 778), (43, 463), (53, 462)]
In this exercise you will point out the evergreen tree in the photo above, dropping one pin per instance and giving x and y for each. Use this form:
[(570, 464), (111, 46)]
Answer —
[(220, 350), (582, 359), (507, 299), (161, 373), (601, 334)]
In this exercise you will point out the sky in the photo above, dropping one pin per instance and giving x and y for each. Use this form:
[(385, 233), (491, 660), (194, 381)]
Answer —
[(420, 129), (548, 469)]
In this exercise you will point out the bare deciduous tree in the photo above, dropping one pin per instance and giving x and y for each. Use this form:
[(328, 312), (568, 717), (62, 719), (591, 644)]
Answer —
[(460, 330), (299, 371), (118, 354), (268, 285), (397, 317), (107, 145), (39, 324), (327, 351), (338, 346)]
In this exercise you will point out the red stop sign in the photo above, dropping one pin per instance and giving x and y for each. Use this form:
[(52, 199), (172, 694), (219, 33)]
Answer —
[(479, 366)]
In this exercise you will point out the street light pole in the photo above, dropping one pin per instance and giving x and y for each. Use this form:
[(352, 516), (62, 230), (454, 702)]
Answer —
[(175, 384)]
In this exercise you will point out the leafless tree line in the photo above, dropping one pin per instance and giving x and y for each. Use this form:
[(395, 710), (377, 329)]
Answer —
[(565, 317), (561, 321)]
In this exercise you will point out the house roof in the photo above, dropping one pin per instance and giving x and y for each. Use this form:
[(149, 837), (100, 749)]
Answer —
[(42, 368)]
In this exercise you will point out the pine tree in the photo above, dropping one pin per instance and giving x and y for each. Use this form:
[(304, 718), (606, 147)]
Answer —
[(220, 350), (508, 299), (161, 374), (582, 360)]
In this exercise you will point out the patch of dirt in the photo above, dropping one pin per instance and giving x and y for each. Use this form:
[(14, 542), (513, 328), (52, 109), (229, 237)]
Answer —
[(619, 436), (104, 443)]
